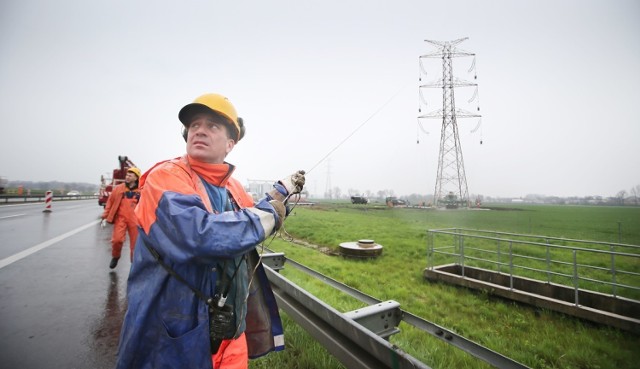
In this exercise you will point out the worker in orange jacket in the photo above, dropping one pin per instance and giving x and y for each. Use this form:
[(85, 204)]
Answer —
[(119, 212), (198, 296)]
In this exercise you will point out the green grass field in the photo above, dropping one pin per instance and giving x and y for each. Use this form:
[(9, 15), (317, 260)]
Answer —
[(538, 339)]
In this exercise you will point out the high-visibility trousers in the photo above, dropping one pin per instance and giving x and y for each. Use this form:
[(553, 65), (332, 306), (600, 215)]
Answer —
[(232, 354), (121, 227)]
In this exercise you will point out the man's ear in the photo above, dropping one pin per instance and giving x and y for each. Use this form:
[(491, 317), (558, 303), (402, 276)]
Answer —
[(230, 145), (243, 130)]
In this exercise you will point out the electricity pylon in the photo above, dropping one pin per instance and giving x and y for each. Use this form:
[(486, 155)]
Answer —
[(451, 182)]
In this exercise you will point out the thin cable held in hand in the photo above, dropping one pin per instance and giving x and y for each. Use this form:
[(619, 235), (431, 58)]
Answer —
[(356, 130)]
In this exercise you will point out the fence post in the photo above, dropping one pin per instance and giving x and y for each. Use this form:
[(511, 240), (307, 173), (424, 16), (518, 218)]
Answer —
[(548, 262), (499, 257), (613, 271), (511, 264), (455, 242), (429, 250), (619, 232), (575, 275), (462, 254)]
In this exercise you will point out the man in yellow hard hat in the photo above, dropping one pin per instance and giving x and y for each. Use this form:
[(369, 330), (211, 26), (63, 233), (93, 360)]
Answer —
[(189, 303), (119, 211)]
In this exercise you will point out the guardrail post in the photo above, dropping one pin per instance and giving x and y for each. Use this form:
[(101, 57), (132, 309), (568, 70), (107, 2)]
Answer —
[(382, 319), (274, 260)]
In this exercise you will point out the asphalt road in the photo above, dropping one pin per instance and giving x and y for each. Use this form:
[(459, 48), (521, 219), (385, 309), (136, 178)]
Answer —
[(60, 304)]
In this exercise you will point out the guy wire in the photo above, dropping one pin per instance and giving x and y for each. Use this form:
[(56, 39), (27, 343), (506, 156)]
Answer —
[(358, 128)]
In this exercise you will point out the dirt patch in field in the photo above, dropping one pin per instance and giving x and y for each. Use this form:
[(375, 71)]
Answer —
[(322, 249), (500, 208)]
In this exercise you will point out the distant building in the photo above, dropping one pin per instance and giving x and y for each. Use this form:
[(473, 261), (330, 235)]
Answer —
[(257, 188)]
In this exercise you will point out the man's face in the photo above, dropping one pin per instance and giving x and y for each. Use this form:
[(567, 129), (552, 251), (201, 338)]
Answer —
[(130, 178), (207, 138)]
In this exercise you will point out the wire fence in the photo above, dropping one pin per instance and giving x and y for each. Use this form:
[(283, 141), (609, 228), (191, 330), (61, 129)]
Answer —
[(605, 267)]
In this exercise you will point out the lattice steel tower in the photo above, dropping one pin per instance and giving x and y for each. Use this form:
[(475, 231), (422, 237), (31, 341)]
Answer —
[(451, 182)]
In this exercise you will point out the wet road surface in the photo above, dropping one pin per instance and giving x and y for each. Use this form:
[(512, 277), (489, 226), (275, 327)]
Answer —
[(60, 304)]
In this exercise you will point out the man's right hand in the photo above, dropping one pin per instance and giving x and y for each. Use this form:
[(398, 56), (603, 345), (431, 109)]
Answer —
[(294, 183), (288, 186)]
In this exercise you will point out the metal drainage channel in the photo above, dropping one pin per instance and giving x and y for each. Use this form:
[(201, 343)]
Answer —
[(353, 342)]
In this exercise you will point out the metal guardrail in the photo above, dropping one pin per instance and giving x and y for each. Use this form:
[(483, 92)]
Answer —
[(517, 254), (351, 342), (14, 199)]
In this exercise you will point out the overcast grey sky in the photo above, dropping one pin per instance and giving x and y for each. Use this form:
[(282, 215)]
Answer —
[(82, 82)]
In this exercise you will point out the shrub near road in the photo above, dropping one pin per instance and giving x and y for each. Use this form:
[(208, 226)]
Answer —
[(538, 339)]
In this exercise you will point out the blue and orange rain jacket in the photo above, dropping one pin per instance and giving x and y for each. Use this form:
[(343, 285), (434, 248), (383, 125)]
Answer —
[(166, 324)]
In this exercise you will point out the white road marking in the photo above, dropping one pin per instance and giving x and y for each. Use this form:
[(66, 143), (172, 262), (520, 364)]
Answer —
[(12, 216), (33, 249), (22, 204)]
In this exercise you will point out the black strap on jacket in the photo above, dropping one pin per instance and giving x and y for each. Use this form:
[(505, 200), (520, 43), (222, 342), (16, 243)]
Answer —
[(208, 300)]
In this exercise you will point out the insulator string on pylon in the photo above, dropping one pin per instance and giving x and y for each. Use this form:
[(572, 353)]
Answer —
[(475, 94), (473, 65), (477, 126), (422, 101), (421, 127), (473, 68), (422, 70)]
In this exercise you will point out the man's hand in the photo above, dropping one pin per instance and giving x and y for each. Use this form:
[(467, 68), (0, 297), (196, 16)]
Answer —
[(294, 183), (103, 223), (287, 186)]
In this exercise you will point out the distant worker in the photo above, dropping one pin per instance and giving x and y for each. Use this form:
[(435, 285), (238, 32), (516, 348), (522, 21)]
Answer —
[(119, 211), (198, 296)]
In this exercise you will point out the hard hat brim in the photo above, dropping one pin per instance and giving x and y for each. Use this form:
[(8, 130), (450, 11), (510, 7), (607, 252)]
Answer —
[(192, 109)]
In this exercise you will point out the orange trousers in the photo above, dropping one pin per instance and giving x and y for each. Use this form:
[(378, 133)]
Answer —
[(232, 354), (121, 227)]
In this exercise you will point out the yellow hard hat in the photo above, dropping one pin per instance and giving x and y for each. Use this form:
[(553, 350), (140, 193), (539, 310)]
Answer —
[(135, 171), (216, 103)]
